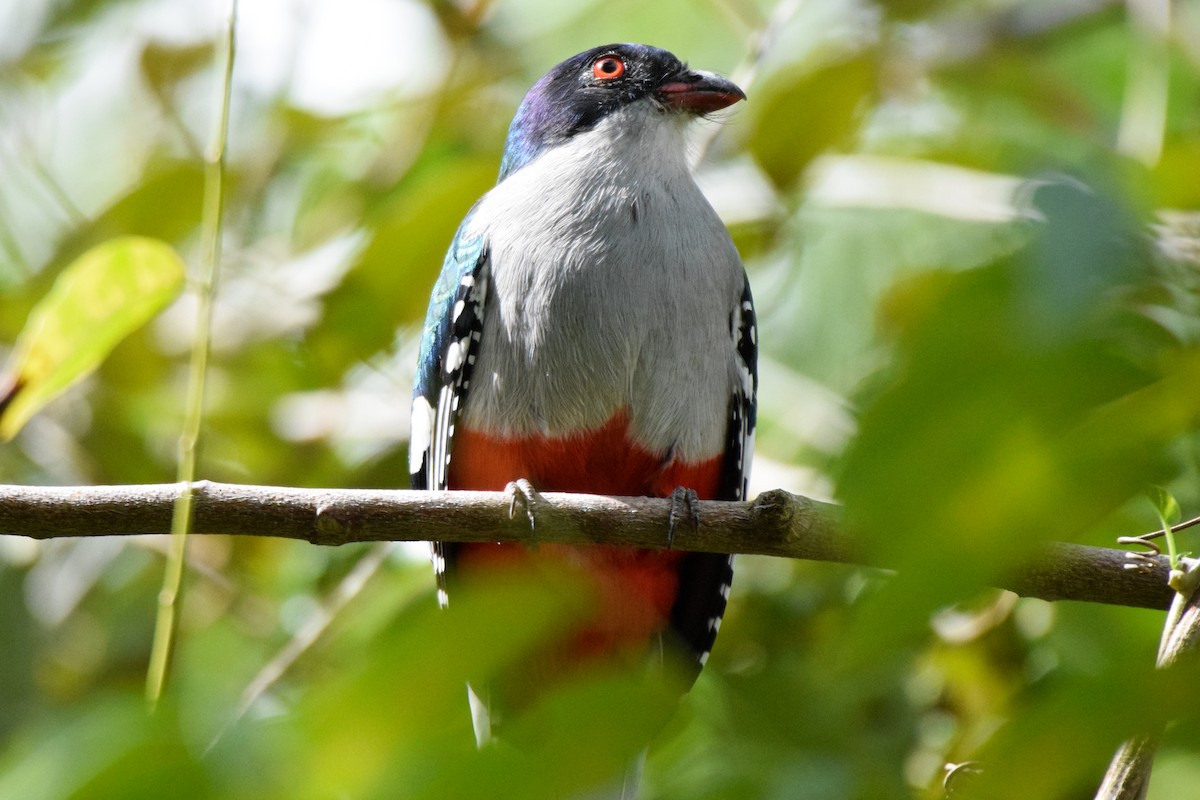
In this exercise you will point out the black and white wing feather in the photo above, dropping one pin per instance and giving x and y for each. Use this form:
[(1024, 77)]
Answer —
[(705, 578), (449, 349)]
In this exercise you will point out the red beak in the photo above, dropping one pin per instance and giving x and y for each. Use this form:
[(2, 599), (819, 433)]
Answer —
[(699, 92)]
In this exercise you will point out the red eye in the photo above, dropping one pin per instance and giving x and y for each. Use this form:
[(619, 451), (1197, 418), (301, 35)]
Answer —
[(608, 67)]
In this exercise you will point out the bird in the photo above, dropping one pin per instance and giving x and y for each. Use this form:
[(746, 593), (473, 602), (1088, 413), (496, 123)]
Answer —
[(592, 330)]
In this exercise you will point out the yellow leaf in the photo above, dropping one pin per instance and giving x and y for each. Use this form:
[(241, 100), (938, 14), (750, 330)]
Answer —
[(103, 296)]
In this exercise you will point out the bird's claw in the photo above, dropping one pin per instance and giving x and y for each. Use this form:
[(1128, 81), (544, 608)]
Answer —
[(955, 773), (682, 498), (1142, 562), (1145, 540), (522, 491)]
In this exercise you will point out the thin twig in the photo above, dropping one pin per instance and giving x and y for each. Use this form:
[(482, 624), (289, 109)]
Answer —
[(1142, 538), (189, 437), (314, 626)]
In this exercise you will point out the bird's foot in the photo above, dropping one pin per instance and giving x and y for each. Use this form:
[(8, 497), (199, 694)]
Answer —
[(1144, 540), (958, 776), (522, 491), (684, 502), (1139, 561)]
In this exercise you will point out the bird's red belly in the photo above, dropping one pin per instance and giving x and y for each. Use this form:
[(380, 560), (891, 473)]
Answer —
[(636, 588)]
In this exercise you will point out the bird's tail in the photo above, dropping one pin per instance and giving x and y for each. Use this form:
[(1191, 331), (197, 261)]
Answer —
[(481, 717)]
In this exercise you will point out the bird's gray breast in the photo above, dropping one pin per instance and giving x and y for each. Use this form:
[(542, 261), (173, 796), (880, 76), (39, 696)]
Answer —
[(607, 295)]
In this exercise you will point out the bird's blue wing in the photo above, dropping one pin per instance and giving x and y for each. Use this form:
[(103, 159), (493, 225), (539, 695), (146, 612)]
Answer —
[(449, 347), (449, 344), (705, 578)]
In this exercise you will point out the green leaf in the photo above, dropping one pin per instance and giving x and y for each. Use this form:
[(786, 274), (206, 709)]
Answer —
[(103, 296), (165, 65), (800, 113), (1165, 504)]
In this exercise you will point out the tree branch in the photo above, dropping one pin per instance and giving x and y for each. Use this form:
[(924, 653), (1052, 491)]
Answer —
[(775, 524), (1128, 776)]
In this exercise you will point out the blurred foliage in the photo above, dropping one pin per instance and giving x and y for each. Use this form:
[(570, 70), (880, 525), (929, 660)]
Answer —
[(974, 235)]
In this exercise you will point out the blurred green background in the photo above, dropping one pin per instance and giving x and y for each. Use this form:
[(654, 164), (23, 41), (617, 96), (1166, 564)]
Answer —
[(973, 231)]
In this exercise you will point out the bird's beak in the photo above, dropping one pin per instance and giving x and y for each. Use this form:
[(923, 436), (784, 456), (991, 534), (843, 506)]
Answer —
[(699, 92)]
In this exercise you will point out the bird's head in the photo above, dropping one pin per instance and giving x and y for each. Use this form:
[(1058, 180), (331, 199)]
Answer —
[(582, 91)]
